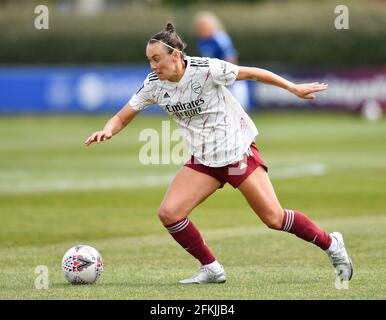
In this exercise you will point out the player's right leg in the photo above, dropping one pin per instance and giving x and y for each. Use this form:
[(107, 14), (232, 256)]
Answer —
[(187, 190)]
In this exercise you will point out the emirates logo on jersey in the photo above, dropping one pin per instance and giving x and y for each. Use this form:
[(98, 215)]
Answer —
[(187, 109)]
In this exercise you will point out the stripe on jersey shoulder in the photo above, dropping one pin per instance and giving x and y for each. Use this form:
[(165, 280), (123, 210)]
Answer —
[(199, 65), (152, 76), (198, 61)]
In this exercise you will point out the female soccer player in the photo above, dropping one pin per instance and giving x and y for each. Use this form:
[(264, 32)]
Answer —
[(221, 141)]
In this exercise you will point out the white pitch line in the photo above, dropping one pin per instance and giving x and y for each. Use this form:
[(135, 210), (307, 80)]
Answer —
[(315, 169), (134, 182), (56, 185)]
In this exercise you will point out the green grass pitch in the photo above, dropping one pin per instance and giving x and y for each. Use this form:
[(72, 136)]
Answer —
[(56, 193)]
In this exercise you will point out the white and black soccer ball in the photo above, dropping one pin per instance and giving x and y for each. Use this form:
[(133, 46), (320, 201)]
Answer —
[(82, 264)]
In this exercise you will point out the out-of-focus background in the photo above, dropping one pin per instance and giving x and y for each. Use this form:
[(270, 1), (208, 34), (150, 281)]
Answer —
[(326, 157), (91, 59)]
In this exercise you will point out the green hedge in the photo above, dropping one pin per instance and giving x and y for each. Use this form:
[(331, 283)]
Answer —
[(299, 33)]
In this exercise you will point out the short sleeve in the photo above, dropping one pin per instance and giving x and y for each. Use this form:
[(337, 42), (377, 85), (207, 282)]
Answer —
[(223, 73), (143, 97)]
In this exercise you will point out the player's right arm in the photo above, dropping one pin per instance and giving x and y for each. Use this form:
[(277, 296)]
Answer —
[(139, 101), (114, 125)]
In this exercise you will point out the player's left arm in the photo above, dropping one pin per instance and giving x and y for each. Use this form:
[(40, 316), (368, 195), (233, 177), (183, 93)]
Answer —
[(303, 90)]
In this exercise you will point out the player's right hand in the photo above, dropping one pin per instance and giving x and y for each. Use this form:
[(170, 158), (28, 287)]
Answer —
[(98, 136)]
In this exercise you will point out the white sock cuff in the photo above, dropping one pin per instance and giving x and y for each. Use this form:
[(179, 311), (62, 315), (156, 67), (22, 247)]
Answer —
[(214, 266), (334, 244)]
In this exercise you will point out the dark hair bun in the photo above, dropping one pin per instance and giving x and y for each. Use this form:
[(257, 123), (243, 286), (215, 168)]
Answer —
[(169, 37), (169, 27)]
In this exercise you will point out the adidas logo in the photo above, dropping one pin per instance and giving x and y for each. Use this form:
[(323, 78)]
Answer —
[(243, 165), (166, 95)]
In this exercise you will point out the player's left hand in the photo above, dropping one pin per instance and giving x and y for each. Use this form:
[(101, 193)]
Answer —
[(305, 90)]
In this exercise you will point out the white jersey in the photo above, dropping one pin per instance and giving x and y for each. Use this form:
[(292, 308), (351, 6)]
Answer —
[(217, 129)]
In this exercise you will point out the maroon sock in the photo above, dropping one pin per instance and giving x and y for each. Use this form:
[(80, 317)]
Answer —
[(188, 236), (297, 223)]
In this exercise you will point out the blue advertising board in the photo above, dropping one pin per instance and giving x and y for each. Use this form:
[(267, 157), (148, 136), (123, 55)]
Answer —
[(68, 89), (91, 89)]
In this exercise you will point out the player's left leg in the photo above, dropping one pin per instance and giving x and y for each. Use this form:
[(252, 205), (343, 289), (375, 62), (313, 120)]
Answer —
[(259, 192)]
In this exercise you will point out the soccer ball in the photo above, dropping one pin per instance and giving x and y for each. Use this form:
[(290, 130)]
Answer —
[(82, 264)]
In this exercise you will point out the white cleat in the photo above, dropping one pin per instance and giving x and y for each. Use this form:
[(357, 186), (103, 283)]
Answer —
[(340, 259), (206, 275)]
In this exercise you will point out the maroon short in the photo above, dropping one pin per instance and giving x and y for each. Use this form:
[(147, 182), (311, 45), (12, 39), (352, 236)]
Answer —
[(234, 173)]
